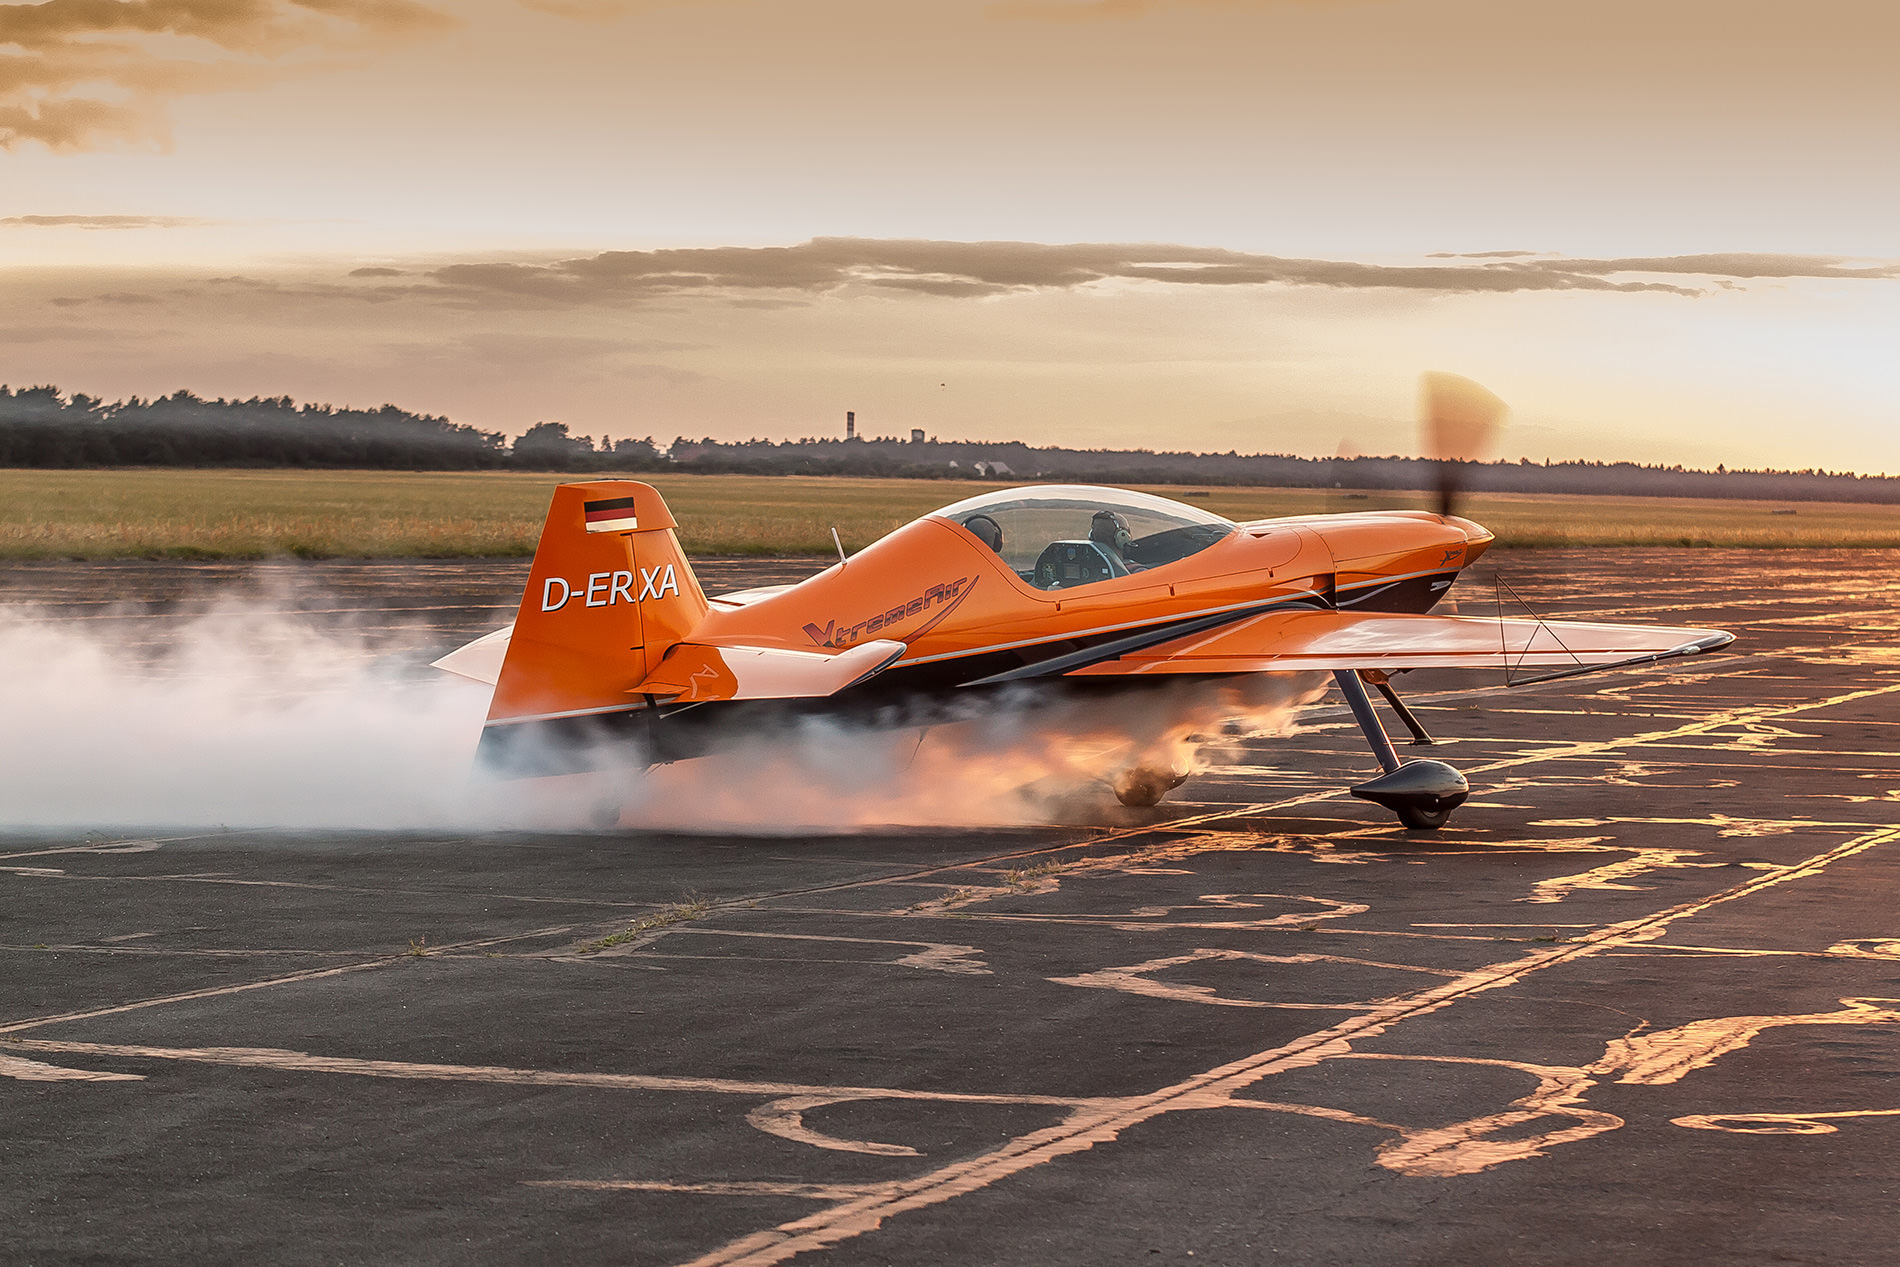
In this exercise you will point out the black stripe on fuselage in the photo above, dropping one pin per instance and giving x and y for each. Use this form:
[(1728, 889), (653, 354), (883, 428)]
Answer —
[(1056, 656), (1416, 594), (568, 745)]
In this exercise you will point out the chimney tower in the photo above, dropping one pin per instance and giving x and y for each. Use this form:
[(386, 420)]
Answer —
[(850, 424)]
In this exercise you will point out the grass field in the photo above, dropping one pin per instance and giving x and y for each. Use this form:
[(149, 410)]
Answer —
[(177, 513)]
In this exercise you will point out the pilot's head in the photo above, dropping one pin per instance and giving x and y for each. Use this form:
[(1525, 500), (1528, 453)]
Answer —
[(1110, 529), (987, 530)]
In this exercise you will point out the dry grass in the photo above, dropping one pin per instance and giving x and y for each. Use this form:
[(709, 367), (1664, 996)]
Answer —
[(692, 909), (1026, 877), (179, 513)]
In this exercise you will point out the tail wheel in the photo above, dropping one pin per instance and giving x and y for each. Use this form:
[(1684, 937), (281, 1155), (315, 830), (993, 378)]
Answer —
[(1143, 787)]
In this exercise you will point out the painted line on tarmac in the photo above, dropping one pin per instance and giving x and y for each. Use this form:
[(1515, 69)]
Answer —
[(737, 1188), (303, 1062), (1217, 1087), (313, 974)]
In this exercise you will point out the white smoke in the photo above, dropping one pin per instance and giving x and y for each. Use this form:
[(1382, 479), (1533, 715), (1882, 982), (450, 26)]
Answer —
[(1026, 757), (242, 717), (250, 717)]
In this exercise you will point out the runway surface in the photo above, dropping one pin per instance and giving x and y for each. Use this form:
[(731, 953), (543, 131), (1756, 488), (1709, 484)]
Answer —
[(1638, 1003)]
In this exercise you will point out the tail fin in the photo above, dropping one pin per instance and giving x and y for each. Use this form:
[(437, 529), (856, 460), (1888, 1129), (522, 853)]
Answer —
[(610, 590)]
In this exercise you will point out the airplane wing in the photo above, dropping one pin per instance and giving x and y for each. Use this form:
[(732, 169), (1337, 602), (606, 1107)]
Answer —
[(697, 672), (1284, 641)]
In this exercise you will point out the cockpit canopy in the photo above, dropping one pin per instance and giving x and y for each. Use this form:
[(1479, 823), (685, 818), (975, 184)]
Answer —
[(1059, 536)]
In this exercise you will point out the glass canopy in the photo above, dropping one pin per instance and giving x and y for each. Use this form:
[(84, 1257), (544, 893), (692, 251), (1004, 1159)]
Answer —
[(1059, 536)]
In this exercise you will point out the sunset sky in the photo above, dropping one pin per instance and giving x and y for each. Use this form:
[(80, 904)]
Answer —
[(1663, 231)]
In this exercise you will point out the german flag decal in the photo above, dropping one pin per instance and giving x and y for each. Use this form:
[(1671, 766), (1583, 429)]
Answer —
[(615, 514)]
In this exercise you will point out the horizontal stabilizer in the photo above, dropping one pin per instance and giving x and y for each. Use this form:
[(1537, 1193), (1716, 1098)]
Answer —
[(1287, 641), (480, 660), (694, 672)]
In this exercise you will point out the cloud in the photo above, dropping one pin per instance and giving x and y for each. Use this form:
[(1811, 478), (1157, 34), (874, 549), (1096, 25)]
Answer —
[(788, 276), (102, 222), (115, 297), (1738, 265), (978, 269), (94, 73), (91, 335)]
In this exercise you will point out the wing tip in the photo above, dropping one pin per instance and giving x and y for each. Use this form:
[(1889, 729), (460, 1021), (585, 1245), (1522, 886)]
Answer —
[(1711, 640)]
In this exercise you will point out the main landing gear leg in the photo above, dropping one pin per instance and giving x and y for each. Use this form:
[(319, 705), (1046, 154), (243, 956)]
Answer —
[(1421, 738), (1422, 793)]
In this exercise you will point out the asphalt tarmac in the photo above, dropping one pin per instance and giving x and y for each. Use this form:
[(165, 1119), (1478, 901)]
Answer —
[(1638, 1003)]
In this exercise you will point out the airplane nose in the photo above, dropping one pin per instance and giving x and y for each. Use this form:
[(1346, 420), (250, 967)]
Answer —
[(1474, 532)]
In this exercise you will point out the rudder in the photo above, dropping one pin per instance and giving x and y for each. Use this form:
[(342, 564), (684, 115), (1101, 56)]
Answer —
[(608, 593)]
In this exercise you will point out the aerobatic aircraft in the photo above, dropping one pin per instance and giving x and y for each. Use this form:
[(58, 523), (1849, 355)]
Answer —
[(1069, 587)]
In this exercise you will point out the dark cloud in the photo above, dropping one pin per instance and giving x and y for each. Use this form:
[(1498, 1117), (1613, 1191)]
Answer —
[(966, 269), (94, 73), (376, 272)]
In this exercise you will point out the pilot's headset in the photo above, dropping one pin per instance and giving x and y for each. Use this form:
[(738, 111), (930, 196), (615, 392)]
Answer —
[(1109, 528)]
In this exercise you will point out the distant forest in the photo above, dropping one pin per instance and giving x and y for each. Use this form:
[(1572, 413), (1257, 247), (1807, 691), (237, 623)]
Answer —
[(41, 427)]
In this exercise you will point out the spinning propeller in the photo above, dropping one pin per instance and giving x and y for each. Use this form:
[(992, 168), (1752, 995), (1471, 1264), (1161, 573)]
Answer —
[(1458, 420)]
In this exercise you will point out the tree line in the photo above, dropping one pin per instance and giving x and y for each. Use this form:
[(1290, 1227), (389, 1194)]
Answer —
[(958, 459), (41, 427)]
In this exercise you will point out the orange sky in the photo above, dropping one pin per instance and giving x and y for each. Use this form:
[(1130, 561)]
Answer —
[(1663, 231)]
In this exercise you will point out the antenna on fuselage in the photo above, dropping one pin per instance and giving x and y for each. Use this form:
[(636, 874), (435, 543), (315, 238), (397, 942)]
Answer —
[(840, 545)]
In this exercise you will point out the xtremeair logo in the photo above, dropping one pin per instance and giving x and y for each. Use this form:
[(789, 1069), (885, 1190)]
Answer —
[(946, 597)]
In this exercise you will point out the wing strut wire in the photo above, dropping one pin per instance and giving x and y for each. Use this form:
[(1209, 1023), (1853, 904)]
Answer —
[(1501, 587)]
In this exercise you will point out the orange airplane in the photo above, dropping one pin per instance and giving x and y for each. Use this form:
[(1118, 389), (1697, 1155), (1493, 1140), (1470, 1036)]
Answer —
[(1096, 589), (1068, 587)]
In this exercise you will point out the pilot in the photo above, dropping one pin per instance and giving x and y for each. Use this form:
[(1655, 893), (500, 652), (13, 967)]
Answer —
[(987, 530), (1109, 530)]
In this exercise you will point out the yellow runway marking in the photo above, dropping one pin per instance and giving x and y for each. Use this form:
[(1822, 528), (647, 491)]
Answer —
[(293, 978), (24, 1070), (303, 1062), (1219, 1086), (1653, 1060), (813, 1191), (1776, 1123), (1139, 979)]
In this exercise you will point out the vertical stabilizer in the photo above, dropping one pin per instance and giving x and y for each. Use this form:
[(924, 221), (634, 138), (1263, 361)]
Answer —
[(609, 591)]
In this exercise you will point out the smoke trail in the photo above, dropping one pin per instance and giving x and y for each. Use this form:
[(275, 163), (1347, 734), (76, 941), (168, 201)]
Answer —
[(251, 717), (242, 717), (1027, 757)]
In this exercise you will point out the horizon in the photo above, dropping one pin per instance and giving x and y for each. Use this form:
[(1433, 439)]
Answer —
[(1660, 232), (604, 443)]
